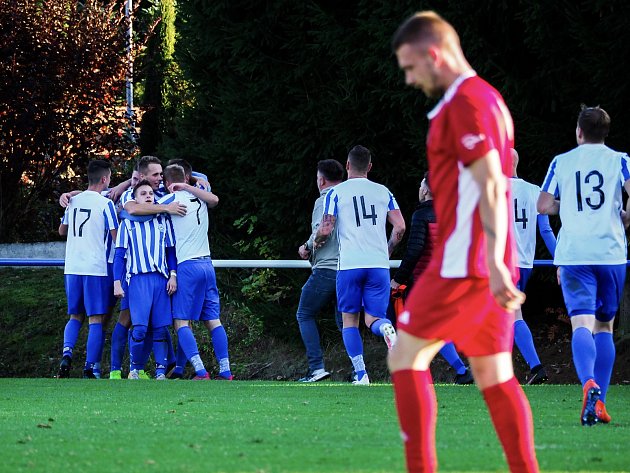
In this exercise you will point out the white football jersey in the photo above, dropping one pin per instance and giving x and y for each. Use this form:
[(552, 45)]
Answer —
[(588, 182), (361, 207), (524, 198), (191, 230), (89, 217)]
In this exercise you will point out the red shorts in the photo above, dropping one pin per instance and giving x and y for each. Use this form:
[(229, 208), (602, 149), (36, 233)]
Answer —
[(459, 310)]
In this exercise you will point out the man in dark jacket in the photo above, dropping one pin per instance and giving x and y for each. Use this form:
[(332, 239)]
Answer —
[(417, 256)]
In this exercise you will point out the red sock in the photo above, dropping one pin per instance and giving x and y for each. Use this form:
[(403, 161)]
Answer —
[(512, 419), (417, 413)]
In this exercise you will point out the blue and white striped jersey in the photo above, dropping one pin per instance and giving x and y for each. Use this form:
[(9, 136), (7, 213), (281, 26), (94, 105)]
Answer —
[(361, 208), (90, 217), (588, 181), (146, 244)]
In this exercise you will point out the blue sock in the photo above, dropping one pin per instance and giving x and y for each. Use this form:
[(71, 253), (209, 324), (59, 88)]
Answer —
[(220, 345), (182, 359), (102, 348), (170, 355), (354, 346), (70, 335), (450, 354), (525, 343), (119, 342), (377, 324), (160, 349), (148, 346), (188, 345), (604, 361), (583, 347), (137, 352), (94, 342)]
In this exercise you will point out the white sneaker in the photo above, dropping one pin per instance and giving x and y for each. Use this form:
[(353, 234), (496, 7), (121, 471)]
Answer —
[(133, 374), (389, 334), (364, 380), (314, 376), (161, 377)]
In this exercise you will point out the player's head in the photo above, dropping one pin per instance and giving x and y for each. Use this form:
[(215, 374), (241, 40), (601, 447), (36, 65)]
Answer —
[(135, 177), (593, 125), (150, 168), (329, 173), (174, 173), (514, 161), (424, 193), (143, 192), (183, 163), (429, 52), (99, 172), (359, 160)]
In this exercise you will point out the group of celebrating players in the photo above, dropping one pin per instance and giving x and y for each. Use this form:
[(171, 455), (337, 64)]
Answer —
[(156, 260)]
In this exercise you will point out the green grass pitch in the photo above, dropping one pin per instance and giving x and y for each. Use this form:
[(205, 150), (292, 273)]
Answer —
[(77, 425)]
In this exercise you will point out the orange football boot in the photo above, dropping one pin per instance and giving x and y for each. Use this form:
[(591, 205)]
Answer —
[(591, 396), (600, 411)]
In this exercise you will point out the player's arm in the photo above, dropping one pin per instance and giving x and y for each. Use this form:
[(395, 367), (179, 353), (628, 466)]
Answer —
[(171, 257), (119, 271), (174, 208), (547, 204), (64, 199), (326, 227), (206, 196), (546, 233), (395, 218), (488, 175), (63, 226), (120, 265), (115, 192), (625, 216)]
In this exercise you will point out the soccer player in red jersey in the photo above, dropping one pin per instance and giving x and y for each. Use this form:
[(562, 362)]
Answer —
[(467, 293)]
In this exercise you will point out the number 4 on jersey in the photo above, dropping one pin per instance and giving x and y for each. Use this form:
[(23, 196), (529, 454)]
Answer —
[(523, 219), (366, 216)]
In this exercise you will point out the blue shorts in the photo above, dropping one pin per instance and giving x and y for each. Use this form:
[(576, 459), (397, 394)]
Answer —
[(197, 296), (149, 302), (593, 289), (363, 287), (87, 295), (523, 277)]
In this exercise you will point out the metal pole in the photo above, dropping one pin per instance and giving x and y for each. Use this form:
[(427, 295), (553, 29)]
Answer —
[(129, 77)]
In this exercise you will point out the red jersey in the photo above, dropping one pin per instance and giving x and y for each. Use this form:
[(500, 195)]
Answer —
[(470, 120)]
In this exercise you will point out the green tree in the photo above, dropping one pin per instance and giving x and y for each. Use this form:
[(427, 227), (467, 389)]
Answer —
[(161, 77)]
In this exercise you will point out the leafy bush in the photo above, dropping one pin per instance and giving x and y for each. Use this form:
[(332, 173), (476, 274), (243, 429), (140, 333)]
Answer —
[(62, 72)]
